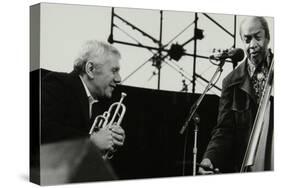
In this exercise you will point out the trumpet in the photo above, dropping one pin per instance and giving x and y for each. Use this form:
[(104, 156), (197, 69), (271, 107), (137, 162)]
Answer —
[(104, 121)]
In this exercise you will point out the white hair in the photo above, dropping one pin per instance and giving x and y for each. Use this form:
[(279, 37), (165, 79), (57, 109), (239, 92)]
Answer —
[(95, 51)]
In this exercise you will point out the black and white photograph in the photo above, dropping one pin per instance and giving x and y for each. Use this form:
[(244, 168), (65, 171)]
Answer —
[(130, 93), (139, 93)]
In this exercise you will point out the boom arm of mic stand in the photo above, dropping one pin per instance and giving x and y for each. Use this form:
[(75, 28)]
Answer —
[(199, 100)]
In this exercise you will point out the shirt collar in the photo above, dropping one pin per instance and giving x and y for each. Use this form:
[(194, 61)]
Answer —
[(90, 97), (252, 67)]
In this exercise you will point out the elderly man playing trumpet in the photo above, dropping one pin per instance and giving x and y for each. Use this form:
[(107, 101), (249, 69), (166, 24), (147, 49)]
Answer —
[(68, 99)]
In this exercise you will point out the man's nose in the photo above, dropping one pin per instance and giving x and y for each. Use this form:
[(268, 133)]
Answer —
[(253, 43), (117, 78)]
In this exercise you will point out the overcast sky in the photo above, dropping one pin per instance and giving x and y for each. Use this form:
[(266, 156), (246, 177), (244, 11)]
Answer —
[(65, 27)]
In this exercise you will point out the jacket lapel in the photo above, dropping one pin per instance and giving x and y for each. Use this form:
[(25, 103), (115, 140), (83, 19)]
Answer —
[(81, 97), (242, 79), (245, 84)]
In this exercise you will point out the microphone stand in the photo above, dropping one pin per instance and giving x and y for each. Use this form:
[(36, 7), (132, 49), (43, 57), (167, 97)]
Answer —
[(195, 117), (196, 120)]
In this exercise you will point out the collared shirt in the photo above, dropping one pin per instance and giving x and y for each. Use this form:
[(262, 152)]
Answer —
[(251, 68), (90, 97), (258, 76)]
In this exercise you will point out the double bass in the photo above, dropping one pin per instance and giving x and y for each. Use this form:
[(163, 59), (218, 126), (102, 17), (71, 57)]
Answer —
[(260, 125)]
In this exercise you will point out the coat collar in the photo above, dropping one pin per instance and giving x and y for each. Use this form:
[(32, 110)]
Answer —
[(240, 77)]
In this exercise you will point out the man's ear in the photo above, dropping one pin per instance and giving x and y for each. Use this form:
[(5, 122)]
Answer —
[(90, 69)]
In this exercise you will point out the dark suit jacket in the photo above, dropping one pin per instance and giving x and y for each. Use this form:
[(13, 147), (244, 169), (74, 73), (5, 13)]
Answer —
[(65, 108), (237, 110)]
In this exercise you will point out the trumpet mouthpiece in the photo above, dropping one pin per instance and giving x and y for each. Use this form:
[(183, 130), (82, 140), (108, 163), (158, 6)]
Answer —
[(123, 94)]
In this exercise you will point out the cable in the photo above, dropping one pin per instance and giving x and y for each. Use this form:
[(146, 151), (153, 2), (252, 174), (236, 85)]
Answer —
[(182, 74), (216, 64), (179, 34), (179, 71), (136, 70), (212, 85)]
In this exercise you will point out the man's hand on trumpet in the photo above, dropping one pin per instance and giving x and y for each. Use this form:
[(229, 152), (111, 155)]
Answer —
[(107, 138), (118, 135), (103, 139)]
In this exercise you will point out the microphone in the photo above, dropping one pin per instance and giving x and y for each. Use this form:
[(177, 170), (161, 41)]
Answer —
[(235, 54)]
